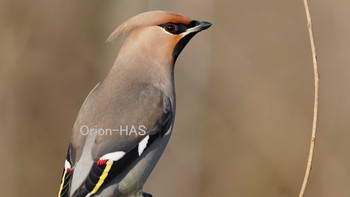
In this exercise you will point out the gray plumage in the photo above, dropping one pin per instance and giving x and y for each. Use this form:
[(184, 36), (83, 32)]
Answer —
[(138, 91)]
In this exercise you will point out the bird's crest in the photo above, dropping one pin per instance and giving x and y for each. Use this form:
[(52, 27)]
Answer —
[(147, 19)]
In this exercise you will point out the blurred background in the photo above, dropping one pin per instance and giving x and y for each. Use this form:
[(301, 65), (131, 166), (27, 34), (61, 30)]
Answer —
[(244, 95)]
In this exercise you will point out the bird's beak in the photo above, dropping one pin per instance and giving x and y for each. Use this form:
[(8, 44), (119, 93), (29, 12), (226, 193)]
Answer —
[(199, 26), (204, 25)]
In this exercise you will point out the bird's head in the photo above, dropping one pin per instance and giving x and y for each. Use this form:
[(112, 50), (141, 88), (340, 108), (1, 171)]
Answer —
[(158, 35)]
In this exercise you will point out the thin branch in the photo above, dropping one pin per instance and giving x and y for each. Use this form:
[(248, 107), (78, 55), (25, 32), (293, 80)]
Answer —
[(316, 98)]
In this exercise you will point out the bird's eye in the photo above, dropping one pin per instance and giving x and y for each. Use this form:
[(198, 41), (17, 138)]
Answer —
[(171, 28)]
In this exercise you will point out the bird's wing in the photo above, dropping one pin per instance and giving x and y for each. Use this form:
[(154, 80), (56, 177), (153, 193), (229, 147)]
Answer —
[(112, 154), (66, 176), (69, 162)]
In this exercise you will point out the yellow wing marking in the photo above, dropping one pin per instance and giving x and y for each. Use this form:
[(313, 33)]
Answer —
[(102, 177), (62, 183)]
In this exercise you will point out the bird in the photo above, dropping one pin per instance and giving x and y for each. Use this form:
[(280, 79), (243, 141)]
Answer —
[(126, 120)]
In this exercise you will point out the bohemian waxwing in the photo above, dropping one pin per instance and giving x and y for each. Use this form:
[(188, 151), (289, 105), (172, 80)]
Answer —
[(125, 122)]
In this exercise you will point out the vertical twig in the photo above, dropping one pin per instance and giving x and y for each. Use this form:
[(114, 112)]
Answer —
[(316, 97)]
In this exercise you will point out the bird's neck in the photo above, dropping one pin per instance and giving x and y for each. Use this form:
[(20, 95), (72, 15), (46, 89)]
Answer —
[(140, 70)]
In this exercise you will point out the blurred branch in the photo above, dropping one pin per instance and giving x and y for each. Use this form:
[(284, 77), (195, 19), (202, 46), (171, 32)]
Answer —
[(316, 98)]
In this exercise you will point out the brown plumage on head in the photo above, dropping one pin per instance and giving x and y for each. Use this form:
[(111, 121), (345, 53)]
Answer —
[(147, 19)]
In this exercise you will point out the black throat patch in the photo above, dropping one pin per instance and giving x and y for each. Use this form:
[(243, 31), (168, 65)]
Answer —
[(181, 45)]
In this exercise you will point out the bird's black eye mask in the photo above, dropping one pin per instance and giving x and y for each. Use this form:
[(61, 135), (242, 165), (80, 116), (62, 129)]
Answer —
[(177, 28)]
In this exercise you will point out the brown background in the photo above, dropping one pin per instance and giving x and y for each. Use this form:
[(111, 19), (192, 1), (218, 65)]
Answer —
[(244, 87)]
